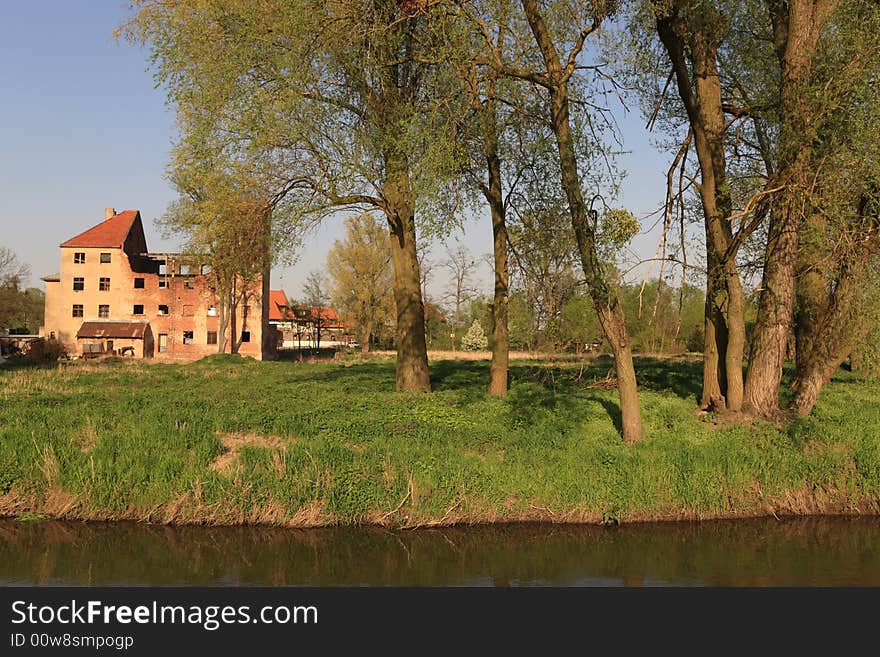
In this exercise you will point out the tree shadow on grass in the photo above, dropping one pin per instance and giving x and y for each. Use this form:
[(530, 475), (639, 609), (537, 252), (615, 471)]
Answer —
[(678, 376)]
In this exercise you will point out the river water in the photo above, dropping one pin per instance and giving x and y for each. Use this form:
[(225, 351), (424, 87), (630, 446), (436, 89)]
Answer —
[(801, 552)]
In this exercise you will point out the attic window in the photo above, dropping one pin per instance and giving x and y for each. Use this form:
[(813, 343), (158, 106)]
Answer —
[(206, 269), (163, 269), (105, 258), (185, 270), (79, 258)]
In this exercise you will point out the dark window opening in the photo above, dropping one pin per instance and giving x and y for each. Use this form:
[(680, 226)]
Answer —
[(104, 311), (79, 258), (79, 284), (187, 337), (105, 284), (163, 309), (77, 310), (245, 336), (138, 309), (163, 283), (139, 283), (212, 337), (105, 258)]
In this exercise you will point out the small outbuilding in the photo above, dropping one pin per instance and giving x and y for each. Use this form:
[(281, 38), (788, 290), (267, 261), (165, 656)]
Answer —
[(118, 338)]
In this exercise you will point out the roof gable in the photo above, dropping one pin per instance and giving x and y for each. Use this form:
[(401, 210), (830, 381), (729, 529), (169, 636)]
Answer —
[(112, 232), (278, 306)]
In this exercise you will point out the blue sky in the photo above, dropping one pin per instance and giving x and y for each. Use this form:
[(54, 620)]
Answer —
[(82, 127)]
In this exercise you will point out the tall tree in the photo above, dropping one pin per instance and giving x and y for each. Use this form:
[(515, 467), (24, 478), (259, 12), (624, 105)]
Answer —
[(574, 22), (691, 33), (226, 217), (359, 268), (821, 58), (336, 97)]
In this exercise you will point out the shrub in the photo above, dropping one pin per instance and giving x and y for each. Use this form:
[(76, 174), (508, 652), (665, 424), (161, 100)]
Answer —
[(475, 339)]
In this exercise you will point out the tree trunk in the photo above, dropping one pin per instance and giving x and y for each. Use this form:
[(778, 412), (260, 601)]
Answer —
[(614, 326), (604, 298), (775, 307), (498, 370), (412, 350), (797, 26), (366, 331), (702, 98)]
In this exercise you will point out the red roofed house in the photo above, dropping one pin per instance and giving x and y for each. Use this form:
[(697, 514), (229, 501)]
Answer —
[(113, 296), (304, 326)]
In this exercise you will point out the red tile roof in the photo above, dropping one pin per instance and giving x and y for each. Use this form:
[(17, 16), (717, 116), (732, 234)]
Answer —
[(109, 233), (278, 306), (329, 317)]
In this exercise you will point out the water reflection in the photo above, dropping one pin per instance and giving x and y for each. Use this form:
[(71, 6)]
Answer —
[(814, 552)]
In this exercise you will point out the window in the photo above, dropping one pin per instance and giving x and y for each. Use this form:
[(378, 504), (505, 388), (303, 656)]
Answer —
[(139, 283), (187, 337), (163, 269), (79, 283), (163, 309), (163, 342), (105, 284), (206, 269), (212, 337), (186, 270), (138, 309), (245, 336), (189, 284), (163, 283), (77, 310), (79, 258), (105, 258), (212, 311), (187, 311), (104, 311)]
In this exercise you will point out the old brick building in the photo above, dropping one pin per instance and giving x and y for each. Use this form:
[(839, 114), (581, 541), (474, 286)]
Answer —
[(112, 295)]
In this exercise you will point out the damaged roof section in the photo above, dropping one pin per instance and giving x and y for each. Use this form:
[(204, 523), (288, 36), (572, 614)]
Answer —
[(131, 330)]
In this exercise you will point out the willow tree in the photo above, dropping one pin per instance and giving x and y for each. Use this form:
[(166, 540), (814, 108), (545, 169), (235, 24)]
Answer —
[(335, 96), (359, 267), (814, 77), (225, 215), (552, 64)]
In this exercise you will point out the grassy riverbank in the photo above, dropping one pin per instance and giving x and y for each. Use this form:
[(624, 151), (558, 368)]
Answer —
[(229, 441)]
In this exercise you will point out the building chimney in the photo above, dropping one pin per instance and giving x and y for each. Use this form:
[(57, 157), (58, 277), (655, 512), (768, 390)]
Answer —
[(109, 213)]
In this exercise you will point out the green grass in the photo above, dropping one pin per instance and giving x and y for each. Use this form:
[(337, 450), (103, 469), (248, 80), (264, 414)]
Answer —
[(333, 443)]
